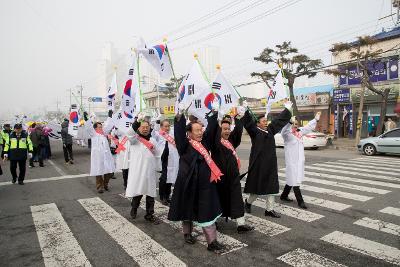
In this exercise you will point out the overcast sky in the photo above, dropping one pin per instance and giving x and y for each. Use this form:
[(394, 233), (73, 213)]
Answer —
[(49, 46)]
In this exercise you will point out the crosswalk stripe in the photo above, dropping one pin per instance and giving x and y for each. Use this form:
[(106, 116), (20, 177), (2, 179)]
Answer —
[(320, 202), (324, 203), (391, 211), (359, 164), (379, 225), (351, 179), (344, 185), (58, 244), (303, 258), (300, 214), (352, 173), (264, 226), (364, 246), (376, 163), (380, 159), (333, 165), (335, 193), (161, 212), (143, 249), (57, 178)]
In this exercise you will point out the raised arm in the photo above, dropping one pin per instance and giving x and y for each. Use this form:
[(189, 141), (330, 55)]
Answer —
[(309, 127), (108, 125), (180, 134), (236, 135), (249, 124), (89, 128), (286, 130), (278, 123), (210, 134)]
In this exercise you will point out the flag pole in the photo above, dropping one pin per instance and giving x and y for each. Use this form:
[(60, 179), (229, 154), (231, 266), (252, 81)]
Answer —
[(170, 62), (138, 77), (240, 97)]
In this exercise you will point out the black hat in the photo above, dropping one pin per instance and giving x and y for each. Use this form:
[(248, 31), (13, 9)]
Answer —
[(18, 126), (6, 125)]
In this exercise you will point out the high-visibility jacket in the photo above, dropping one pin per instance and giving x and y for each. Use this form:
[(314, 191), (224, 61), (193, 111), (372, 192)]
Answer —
[(18, 147), (4, 137)]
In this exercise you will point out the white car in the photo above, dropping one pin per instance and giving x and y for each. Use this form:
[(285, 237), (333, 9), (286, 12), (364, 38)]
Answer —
[(312, 140)]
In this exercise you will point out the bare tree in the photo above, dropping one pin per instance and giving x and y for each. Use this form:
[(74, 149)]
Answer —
[(363, 54), (294, 65)]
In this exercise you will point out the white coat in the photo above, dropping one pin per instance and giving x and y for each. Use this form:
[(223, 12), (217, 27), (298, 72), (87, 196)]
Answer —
[(294, 153), (122, 161), (101, 159), (144, 167), (173, 157)]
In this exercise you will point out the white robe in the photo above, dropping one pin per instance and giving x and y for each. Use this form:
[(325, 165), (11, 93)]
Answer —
[(173, 157), (143, 168), (122, 161), (294, 153), (101, 159)]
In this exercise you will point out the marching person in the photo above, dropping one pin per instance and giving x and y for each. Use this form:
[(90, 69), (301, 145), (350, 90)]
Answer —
[(101, 161), (38, 142), (67, 143), (169, 160), (18, 147), (195, 196), (122, 155), (5, 134), (294, 157), (144, 163), (262, 177), (224, 154)]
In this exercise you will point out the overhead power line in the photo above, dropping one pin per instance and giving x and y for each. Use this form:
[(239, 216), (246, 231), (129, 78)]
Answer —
[(242, 24)]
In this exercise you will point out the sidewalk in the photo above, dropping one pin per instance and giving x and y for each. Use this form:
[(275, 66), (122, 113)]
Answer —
[(344, 144)]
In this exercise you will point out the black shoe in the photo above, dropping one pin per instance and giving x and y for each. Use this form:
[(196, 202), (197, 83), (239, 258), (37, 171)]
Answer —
[(106, 188), (272, 213), (244, 228), (41, 165), (71, 162), (113, 177), (151, 218), (133, 213), (31, 166), (215, 246), (14, 180), (302, 205), (287, 199), (101, 191), (189, 239), (21, 182), (247, 206)]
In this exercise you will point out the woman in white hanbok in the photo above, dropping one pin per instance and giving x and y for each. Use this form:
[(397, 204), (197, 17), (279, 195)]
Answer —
[(294, 157)]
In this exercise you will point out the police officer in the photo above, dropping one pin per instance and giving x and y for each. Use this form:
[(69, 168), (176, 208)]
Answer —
[(4, 135), (17, 148)]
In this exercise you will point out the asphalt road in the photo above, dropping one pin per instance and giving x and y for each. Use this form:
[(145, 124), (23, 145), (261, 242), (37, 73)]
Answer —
[(353, 219)]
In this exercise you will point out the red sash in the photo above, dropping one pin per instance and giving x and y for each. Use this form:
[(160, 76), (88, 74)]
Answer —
[(146, 143), (215, 171), (167, 137), (121, 145), (229, 146), (297, 134), (113, 138)]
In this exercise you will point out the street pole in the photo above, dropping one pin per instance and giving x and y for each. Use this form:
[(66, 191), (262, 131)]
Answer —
[(81, 99)]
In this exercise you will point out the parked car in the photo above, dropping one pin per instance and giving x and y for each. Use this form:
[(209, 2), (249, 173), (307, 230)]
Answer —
[(312, 140), (388, 142)]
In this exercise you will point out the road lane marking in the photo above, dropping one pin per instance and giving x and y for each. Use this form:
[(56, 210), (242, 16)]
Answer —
[(303, 258), (142, 248), (264, 226), (324, 203), (351, 179), (335, 166), (353, 173), (60, 172), (391, 211), (379, 225), (57, 178), (380, 159), (344, 185), (375, 163), (359, 164), (335, 193), (57, 243), (300, 214), (231, 244), (364, 246)]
